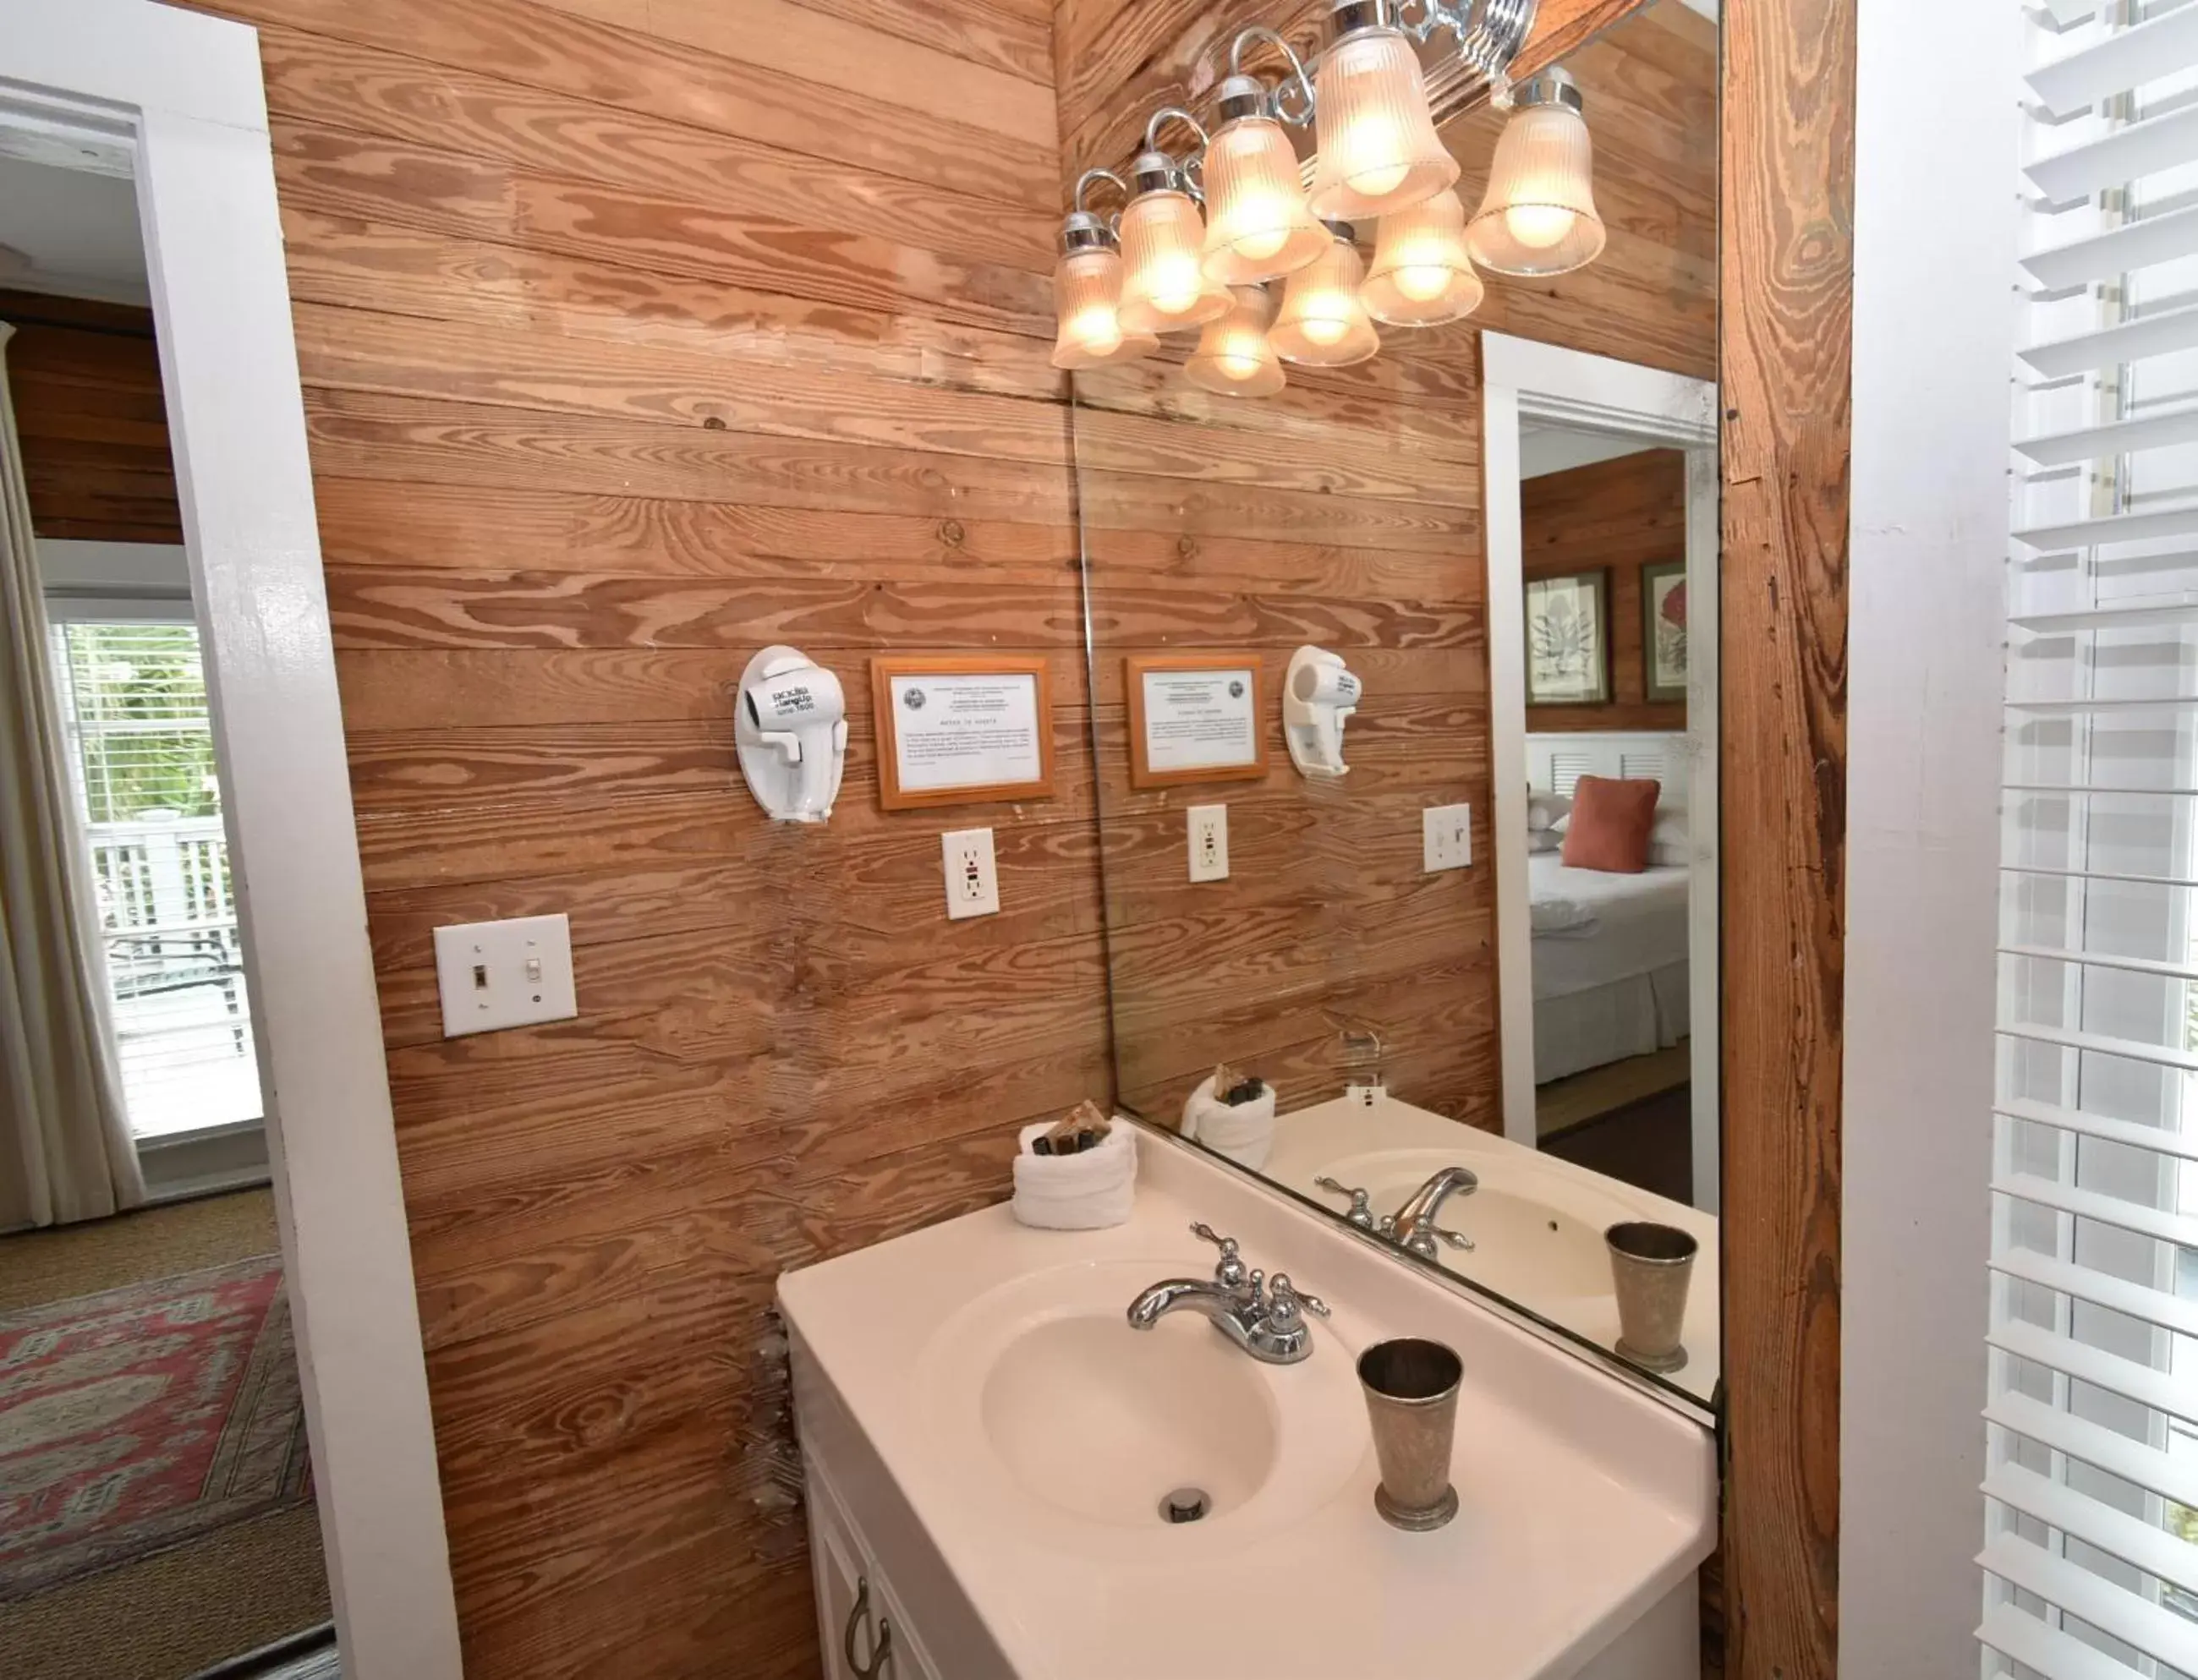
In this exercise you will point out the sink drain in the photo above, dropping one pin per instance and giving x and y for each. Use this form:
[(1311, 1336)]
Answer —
[(1185, 1504)]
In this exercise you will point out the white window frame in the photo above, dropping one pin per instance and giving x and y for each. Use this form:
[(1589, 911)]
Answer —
[(1571, 388), (175, 99)]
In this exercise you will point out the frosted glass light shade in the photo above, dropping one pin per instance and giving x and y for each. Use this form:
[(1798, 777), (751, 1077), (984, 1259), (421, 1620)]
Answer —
[(1257, 225), (1233, 355), (1420, 275), (1322, 325), (1379, 151), (1164, 284), (1086, 285), (1539, 216)]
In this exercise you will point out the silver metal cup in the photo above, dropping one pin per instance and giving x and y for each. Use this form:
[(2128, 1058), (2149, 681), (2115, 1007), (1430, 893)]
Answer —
[(1411, 1396), (1651, 1265)]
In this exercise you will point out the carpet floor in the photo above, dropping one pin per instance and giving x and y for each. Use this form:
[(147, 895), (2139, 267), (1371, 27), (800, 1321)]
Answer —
[(1649, 1144), (156, 1510)]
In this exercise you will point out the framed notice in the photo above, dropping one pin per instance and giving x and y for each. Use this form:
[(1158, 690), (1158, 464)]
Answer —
[(1194, 718), (962, 729)]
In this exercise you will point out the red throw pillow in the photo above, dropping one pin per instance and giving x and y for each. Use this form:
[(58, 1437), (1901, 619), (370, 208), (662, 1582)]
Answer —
[(1611, 822)]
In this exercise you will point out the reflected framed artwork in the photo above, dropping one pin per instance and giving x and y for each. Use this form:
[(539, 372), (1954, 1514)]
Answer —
[(1569, 639), (1664, 631)]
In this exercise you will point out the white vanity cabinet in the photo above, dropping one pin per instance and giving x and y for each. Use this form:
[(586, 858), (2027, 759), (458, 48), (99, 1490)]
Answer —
[(861, 1622)]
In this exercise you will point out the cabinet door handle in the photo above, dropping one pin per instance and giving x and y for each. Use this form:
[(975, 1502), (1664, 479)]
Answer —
[(883, 1653)]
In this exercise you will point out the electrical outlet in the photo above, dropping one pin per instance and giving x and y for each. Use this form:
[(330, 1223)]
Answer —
[(1365, 1093), (504, 974), (973, 885), (1208, 826), (1446, 837)]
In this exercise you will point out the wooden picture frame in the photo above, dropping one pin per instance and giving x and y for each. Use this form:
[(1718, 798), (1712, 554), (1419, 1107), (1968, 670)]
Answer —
[(1658, 681), (1136, 667), (1548, 650), (942, 670)]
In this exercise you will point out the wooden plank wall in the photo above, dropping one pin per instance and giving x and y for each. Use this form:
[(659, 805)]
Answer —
[(635, 337), (1345, 513), (1785, 362), (1619, 515), (85, 378)]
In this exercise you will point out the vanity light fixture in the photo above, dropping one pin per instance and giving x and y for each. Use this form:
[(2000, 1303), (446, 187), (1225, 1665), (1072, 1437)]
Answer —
[(1164, 287), (1087, 290), (1257, 225), (1322, 325), (1422, 276), (1379, 150), (1234, 356), (1539, 217)]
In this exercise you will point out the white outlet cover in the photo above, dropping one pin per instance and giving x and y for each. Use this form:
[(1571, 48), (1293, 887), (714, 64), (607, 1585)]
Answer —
[(1446, 837), (973, 882), (495, 975), (1206, 836)]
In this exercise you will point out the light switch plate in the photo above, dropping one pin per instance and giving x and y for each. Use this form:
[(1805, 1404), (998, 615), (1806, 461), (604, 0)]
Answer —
[(504, 974), (973, 884), (1446, 837), (1208, 834)]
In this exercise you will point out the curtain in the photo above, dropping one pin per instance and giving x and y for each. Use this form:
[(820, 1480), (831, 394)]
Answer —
[(65, 1147)]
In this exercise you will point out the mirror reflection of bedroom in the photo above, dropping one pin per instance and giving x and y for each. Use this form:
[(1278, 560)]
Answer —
[(1612, 817)]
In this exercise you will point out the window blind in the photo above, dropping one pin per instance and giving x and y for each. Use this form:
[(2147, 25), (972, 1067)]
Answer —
[(2090, 1555)]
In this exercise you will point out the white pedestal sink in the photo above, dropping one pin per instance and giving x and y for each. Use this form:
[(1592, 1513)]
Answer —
[(987, 1442)]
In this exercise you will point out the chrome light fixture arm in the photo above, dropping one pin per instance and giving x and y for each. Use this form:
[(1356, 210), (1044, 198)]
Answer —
[(1291, 100), (1489, 34)]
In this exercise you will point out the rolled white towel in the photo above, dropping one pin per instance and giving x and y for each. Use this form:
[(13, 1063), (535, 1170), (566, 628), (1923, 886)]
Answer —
[(1244, 1134), (1086, 1192)]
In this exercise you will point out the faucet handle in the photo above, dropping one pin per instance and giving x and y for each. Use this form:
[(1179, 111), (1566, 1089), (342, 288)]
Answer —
[(1284, 1302), (1360, 1212), (1229, 1271)]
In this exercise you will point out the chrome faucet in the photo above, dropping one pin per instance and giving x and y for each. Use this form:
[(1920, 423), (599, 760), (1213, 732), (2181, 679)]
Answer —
[(1411, 1227), (1265, 1317)]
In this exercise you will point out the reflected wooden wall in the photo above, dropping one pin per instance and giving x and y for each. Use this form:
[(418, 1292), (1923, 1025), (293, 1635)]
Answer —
[(1617, 515), (1346, 513), (85, 379)]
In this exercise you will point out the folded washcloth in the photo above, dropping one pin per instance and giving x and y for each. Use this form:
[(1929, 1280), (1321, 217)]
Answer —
[(1085, 1192), (1562, 915), (1244, 1133)]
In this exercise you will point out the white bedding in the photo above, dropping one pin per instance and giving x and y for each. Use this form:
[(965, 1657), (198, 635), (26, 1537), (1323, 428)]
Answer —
[(1639, 924), (1613, 982)]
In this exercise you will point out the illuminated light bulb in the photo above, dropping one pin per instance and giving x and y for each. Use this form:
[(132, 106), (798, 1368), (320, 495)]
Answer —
[(1164, 284), (1257, 225), (1086, 281), (1379, 151), (1539, 216), (1322, 325), (1234, 356), (1420, 275)]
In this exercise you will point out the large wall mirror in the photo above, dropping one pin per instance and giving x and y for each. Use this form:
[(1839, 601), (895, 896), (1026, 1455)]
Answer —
[(1405, 708)]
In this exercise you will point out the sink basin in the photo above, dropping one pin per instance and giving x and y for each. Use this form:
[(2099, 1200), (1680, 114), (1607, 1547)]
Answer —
[(1103, 1421), (1042, 1392), (1537, 1236)]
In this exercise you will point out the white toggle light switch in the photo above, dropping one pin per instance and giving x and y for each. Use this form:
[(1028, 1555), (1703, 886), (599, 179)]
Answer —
[(1446, 837), (1208, 827), (504, 974)]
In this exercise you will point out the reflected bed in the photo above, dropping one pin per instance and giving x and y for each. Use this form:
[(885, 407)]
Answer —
[(1610, 964)]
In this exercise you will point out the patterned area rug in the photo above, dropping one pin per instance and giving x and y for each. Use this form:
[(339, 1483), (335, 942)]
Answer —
[(145, 1419)]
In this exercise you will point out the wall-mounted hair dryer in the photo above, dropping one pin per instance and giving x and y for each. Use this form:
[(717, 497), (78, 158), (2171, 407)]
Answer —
[(790, 728), (1317, 695)]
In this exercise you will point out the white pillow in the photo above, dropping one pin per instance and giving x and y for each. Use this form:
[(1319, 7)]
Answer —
[(1543, 839), (1668, 842), (1545, 811)]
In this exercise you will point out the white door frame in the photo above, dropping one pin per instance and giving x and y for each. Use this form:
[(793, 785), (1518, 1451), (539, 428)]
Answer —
[(175, 100), (1521, 379)]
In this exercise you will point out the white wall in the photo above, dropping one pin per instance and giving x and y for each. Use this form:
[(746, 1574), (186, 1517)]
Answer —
[(1934, 342)]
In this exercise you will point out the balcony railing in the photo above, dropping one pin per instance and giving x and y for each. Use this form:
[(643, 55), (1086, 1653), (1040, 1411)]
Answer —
[(175, 969)]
